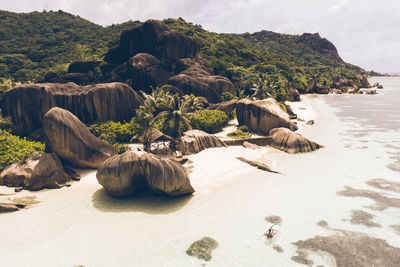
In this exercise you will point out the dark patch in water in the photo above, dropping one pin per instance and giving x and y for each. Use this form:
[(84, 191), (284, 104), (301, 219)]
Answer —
[(202, 248), (273, 219), (364, 218), (278, 248), (395, 166), (349, 249), (322, 223), (302, 258), (382, 202), (396, 228), (385, 184)]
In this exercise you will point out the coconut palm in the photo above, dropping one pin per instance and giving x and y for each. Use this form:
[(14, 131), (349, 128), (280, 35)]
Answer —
[(176, 115)]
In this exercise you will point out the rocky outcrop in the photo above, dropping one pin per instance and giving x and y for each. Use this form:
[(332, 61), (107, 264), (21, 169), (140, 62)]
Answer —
[(315, 87), (185, 63), (151, 55), (72, 141), (363, 79), (194, 141), (155, 38), (44, 171), (83, 67), (293, 94), (146, 71), (321, 45), (377, 85), (195, 80), (261, 116), (345, 86), (26, 104), (227, 106), (136, 171), (291, 142)]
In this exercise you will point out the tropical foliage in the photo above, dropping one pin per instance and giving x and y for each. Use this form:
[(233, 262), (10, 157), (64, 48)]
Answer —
[(16, 149), (210, 121)]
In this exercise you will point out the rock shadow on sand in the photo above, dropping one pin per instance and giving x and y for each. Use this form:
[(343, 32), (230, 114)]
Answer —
[(145, 203)]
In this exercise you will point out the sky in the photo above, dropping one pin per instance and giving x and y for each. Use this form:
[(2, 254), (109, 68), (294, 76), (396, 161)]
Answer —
[(366, 33)]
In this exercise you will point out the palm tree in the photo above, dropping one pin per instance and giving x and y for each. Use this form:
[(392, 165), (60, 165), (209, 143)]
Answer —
[(175, 115)]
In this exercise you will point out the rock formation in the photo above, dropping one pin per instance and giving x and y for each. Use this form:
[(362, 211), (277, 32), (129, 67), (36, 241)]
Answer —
[(363, 79), (44, 171), (155, 38), (261, 116), (72, 141), (291, 142), (315, 87), (136, 171), (195, 80), (151, 54), (146, 71), (194, 141), (321, 45), (26, 104), (293, 94)]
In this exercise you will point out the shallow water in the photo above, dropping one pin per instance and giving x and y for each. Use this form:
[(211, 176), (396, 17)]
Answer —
[(82, 225)]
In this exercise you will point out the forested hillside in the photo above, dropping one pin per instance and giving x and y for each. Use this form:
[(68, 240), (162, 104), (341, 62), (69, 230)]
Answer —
[(32, 44)]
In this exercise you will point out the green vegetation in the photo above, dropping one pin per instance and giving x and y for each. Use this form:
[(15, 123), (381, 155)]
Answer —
[(115, 133), (210, 121), (241, 133), (32, 44), (277, 59), (16, 149)]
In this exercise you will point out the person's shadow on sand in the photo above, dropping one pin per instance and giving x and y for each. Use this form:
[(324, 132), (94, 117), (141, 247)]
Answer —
[(145, 203)]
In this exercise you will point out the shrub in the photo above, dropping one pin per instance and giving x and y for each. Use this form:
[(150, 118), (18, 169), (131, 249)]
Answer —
[(113, 132), (210, 121), (241, 133), (15, 149), (5, 124)]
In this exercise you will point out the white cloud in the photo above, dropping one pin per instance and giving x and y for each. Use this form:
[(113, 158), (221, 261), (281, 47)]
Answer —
[(366, 33)]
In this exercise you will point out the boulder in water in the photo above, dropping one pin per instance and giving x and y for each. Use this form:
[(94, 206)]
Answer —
[(291, 142)]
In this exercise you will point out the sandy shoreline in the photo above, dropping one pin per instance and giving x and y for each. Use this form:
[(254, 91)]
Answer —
[(82, 225)]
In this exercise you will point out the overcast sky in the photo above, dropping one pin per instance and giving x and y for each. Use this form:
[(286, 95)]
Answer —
[(366, 33)]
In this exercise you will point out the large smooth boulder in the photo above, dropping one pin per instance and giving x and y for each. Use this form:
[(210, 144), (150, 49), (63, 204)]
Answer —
[(155, 38), (146, 71), (291, 142), (72, 141), (195, 80), (261, 116), (136, 171), (194, 141), (44, 171), (83, 67), (26, 104)]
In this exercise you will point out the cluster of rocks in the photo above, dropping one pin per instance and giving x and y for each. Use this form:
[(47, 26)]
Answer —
[(68, 141), (151, 54), (377, 85)]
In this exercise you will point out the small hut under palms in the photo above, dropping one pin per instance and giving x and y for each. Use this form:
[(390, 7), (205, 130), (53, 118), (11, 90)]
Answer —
[(156, 141)]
